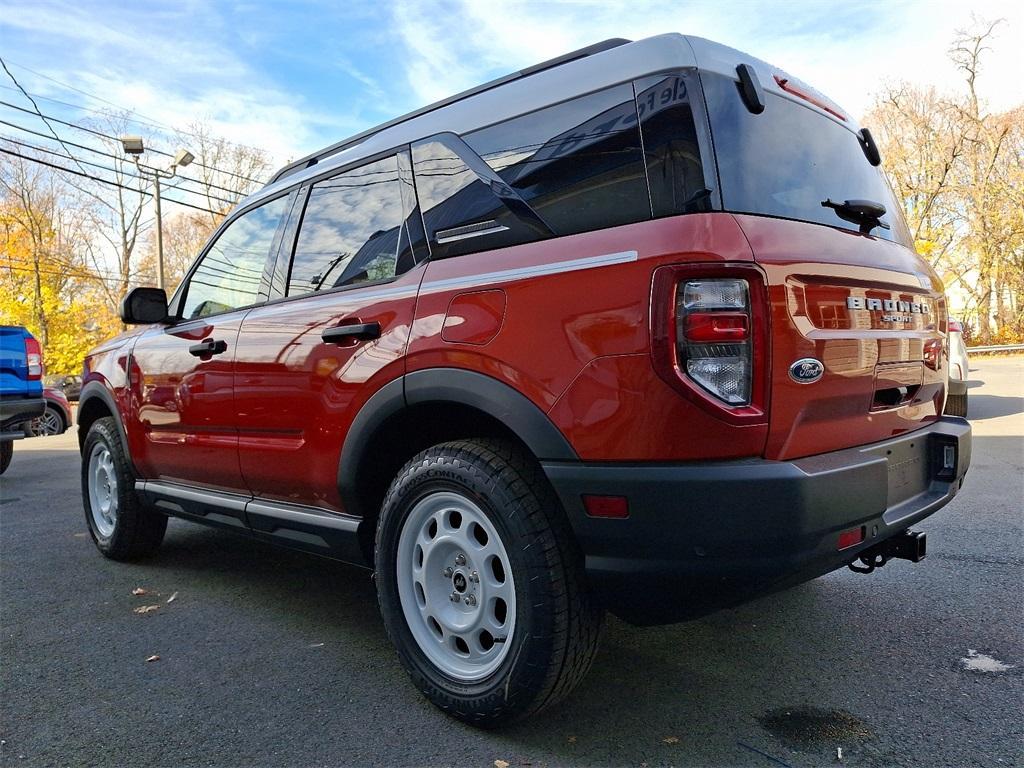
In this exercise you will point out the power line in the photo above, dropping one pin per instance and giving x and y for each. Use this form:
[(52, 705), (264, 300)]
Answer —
[(102, 180), (152, 121), (39, 112), (121, 159), (112, 138), (114, 170)]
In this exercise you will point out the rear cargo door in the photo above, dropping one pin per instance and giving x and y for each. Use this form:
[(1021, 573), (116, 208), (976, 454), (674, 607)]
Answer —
[(857, 317)]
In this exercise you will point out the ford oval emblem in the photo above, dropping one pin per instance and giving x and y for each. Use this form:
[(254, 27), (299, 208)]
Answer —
[(806, 371)]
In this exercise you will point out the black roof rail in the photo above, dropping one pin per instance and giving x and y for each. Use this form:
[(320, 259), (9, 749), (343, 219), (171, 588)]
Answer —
[(316, 157)]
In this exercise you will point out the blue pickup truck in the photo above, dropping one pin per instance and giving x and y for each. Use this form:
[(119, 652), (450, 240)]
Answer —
[(21, 386)]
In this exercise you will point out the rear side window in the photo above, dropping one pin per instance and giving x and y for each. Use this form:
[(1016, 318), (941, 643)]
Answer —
[(353, 230), (787, 160), (672, 144), (572, 167), (229, 275)]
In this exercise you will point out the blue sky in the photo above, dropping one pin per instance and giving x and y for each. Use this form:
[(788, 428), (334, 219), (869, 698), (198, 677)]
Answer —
[(293, 76)]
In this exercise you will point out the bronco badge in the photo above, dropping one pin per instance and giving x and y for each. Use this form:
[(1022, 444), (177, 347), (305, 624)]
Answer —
[(806, 371)]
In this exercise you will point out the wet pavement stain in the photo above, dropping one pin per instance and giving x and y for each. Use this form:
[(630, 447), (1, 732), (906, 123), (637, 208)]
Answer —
[(806, 726)]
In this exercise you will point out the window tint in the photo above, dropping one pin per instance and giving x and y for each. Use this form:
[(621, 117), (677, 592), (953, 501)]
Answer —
[(353, 230), (231, 271), (568, 168), (672, 149), (787, 160), (577, 164)]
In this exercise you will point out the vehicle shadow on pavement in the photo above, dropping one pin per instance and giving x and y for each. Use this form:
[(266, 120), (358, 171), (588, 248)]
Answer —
[(993, 406)]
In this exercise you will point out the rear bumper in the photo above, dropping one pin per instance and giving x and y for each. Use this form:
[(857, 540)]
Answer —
[(700, 537), (15, 411)]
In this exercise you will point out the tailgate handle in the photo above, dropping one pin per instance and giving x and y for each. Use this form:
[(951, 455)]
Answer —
[(343, 334)]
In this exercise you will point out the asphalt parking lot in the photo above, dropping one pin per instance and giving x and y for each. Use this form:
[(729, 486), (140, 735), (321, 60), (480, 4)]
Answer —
[(271, 658)]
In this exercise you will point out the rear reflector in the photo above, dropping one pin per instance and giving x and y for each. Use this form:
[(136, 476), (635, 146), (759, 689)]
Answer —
[(616, 507), (850, 538)]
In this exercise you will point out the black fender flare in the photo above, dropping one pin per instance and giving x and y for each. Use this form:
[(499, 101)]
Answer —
[(96, 390), (447, 385)]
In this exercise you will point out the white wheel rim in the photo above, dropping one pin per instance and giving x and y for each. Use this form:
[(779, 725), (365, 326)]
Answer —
[(102, 480), (449, 549)]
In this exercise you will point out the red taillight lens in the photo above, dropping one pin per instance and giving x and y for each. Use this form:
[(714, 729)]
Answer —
[(720, 326), (954, 326), (34, 359)]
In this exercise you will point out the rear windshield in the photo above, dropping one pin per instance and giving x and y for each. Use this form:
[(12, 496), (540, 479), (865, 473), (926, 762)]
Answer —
[(788, 159)]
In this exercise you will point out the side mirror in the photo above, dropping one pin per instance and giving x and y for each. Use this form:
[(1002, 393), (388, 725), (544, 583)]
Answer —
[(143, 306)]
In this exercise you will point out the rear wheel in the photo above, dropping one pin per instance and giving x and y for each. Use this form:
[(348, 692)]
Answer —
[(480, 583), (956, 405), (50, 423), (6, 451), (121, 525)]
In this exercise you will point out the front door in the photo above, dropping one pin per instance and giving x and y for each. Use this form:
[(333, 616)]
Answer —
[(305, 364), (181, 374)]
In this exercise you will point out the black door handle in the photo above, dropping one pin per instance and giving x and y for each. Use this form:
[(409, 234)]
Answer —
[(343, 333), (208, 347)]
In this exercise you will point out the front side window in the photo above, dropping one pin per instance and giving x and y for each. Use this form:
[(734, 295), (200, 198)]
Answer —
[(353, 230), (230, 273)]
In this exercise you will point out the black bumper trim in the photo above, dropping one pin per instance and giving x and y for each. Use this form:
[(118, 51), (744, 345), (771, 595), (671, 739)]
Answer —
[(15, 411), (704, 536)]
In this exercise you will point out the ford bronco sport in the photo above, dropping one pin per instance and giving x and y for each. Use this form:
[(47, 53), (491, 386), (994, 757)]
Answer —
[(638, 329)]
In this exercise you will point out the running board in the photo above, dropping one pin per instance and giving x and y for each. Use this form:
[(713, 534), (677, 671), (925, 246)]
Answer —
[(310, 529)]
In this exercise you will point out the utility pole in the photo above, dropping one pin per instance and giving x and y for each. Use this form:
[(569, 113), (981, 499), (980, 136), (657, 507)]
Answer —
[(134, 147)]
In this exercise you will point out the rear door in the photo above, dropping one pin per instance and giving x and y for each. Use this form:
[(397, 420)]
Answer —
[(183, 427), (853, 295), (307, 362)]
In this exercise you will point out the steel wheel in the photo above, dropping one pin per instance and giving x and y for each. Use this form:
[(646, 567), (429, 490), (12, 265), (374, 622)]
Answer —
[(102, 481), (50, 423), (455, 586)]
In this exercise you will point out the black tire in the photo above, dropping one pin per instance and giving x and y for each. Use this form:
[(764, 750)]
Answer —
[(138, 529), (956, 405), (558, 625), (6, 452)]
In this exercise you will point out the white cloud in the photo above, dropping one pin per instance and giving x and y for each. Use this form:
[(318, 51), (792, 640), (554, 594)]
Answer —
[(849, 53)]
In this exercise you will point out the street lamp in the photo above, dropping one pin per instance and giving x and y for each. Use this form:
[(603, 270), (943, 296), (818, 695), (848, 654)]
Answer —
[(133, 147)]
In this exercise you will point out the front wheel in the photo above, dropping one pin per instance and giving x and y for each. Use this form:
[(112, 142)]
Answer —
[(481, 585), (120, 524)]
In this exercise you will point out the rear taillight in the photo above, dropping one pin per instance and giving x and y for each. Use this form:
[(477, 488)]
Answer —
[(954, 326), (34, 359), (713, 336), (709, 337)]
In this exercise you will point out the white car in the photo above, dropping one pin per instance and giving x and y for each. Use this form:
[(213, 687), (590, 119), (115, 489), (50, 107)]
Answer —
[(956, 401)]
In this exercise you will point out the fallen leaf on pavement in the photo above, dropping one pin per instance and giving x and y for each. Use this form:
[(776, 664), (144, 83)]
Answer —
[(140, 591), (572, 739), (501, 764), (154, 657), (670, 740), (172, 598), (146, 608)]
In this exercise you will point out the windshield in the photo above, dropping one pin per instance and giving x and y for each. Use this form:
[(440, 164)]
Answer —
[(789, 159)]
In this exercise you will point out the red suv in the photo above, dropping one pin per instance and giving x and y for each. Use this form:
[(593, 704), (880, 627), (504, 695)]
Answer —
[(638, 329)]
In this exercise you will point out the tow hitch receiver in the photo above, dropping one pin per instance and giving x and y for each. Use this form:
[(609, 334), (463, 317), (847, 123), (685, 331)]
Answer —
[(908, 545)]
